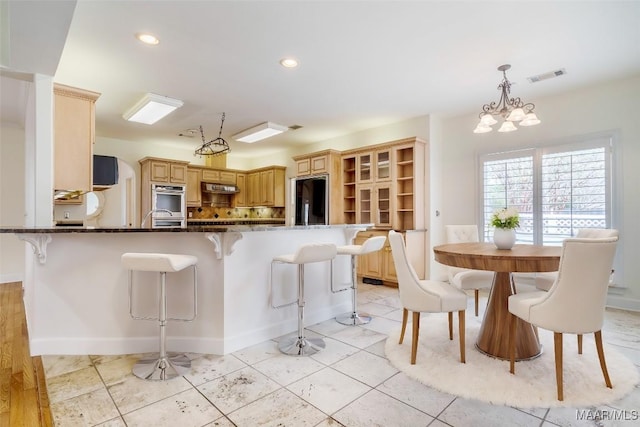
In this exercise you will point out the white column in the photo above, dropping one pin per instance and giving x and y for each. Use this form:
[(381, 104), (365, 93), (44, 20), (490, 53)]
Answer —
[(39, 153)]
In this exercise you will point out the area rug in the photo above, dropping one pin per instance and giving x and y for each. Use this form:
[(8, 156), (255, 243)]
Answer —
[(488, 379)]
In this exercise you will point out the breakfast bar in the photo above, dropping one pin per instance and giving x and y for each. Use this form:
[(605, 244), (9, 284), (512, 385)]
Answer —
[(76, 295)]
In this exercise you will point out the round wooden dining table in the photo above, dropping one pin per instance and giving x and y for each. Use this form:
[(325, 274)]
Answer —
[(493, 338)]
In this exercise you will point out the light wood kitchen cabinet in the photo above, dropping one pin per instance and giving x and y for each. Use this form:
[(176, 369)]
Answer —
[(218, 176), (265, 187), (380, 266), (74, 136), (349, 189), (386, 185), (164, 170), (194, 195), (316, 163), (240, 198), (374, 205), (253, 189), (326, 162)]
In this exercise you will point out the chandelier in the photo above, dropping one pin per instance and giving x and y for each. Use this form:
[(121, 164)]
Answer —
[(510, 109), (215, 147)]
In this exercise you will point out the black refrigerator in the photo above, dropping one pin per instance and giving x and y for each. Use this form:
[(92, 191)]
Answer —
[(311, 201)]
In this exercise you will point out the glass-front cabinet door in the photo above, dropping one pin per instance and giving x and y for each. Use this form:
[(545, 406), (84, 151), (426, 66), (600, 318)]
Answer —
[(365, 170), (364, 205), (383, 165), (382, 196)]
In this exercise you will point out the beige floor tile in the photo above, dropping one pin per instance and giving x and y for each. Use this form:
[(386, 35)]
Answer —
[(133, 393), (328, 390), (285, 369), (378, 409), (73, 384), (186, 409), (281, 408), (209, 367), (92, 408), (366, 367), (58, 365), (238, 389)]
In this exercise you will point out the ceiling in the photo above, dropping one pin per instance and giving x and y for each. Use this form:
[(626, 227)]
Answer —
[(363, 64)]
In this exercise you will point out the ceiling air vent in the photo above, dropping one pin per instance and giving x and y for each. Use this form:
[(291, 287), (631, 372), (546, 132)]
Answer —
[(549, 75)]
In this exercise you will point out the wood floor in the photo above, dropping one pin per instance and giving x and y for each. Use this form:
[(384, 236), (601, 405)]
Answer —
[(23, 391)]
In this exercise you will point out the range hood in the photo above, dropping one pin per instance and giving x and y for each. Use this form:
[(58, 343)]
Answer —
[(212, 188)]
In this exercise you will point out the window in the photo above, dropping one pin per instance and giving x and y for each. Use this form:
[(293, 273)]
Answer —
[(557, 190)]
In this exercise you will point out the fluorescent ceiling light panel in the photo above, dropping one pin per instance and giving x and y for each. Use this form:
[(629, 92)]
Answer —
[(151, 108), (259, 132)]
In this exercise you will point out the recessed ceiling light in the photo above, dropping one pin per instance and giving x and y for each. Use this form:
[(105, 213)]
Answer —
[(147, 38), (289, 62)]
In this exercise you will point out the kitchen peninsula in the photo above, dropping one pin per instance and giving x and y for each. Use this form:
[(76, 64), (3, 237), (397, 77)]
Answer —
[(76, 294)]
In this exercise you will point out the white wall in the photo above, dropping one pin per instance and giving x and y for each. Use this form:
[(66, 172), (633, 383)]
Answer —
[(12, 140), (608, 107)]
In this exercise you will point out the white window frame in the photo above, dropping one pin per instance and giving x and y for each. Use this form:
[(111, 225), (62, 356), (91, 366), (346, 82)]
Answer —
[(613, 181)]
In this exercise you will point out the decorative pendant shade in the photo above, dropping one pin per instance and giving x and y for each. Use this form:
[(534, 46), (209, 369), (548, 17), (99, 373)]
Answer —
[(510, 109), (215, 147)]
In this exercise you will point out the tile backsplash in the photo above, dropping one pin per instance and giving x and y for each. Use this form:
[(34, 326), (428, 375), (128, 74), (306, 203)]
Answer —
[(235, 213)]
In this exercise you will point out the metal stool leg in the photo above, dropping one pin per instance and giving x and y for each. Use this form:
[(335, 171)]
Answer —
[(163, 367), (353, 318), (300, 345)]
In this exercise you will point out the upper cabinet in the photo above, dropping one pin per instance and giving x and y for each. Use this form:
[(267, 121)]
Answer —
[(74, 136), (265, 187), (385, 185), (322, 162), (163, 170), (373, 166)]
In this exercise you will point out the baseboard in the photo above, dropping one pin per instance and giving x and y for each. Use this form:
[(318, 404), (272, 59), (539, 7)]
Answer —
[(631, 304), (204, 345)]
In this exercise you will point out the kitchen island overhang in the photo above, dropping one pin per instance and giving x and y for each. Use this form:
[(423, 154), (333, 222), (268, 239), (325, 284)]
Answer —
[(76, 294)]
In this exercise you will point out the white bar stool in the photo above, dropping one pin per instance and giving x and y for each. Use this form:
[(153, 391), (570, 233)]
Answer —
[(163, 367), (314, 252), (372, 244)]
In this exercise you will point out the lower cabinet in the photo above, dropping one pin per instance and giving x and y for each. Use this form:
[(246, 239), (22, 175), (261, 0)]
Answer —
[(380, 266)]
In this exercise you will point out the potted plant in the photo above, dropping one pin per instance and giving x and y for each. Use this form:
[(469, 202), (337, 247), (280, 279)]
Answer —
[(505, 221)]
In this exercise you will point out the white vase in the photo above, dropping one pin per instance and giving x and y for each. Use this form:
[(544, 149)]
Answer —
[(504, 238)]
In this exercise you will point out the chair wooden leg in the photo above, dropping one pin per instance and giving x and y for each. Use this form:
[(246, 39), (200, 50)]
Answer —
[(414, 341), (461, 332), (603, 364), (579, 343), (477, 295), (512, 343), (557, 347), (450, 316), (405, 314)]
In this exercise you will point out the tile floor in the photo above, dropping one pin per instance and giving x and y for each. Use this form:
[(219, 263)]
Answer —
[(350, 383)]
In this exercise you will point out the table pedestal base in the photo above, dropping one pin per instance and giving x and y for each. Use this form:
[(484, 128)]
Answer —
[(493, 339)]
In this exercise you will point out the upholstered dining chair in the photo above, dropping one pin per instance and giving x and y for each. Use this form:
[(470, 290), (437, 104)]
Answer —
[(422, 296), (585, 266), (544, 281), (464, 278)]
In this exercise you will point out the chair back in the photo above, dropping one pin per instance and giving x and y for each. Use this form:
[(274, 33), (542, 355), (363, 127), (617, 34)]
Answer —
[(596, 233), (576, 301), (408, 281), (314, 252), (461, 233)]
